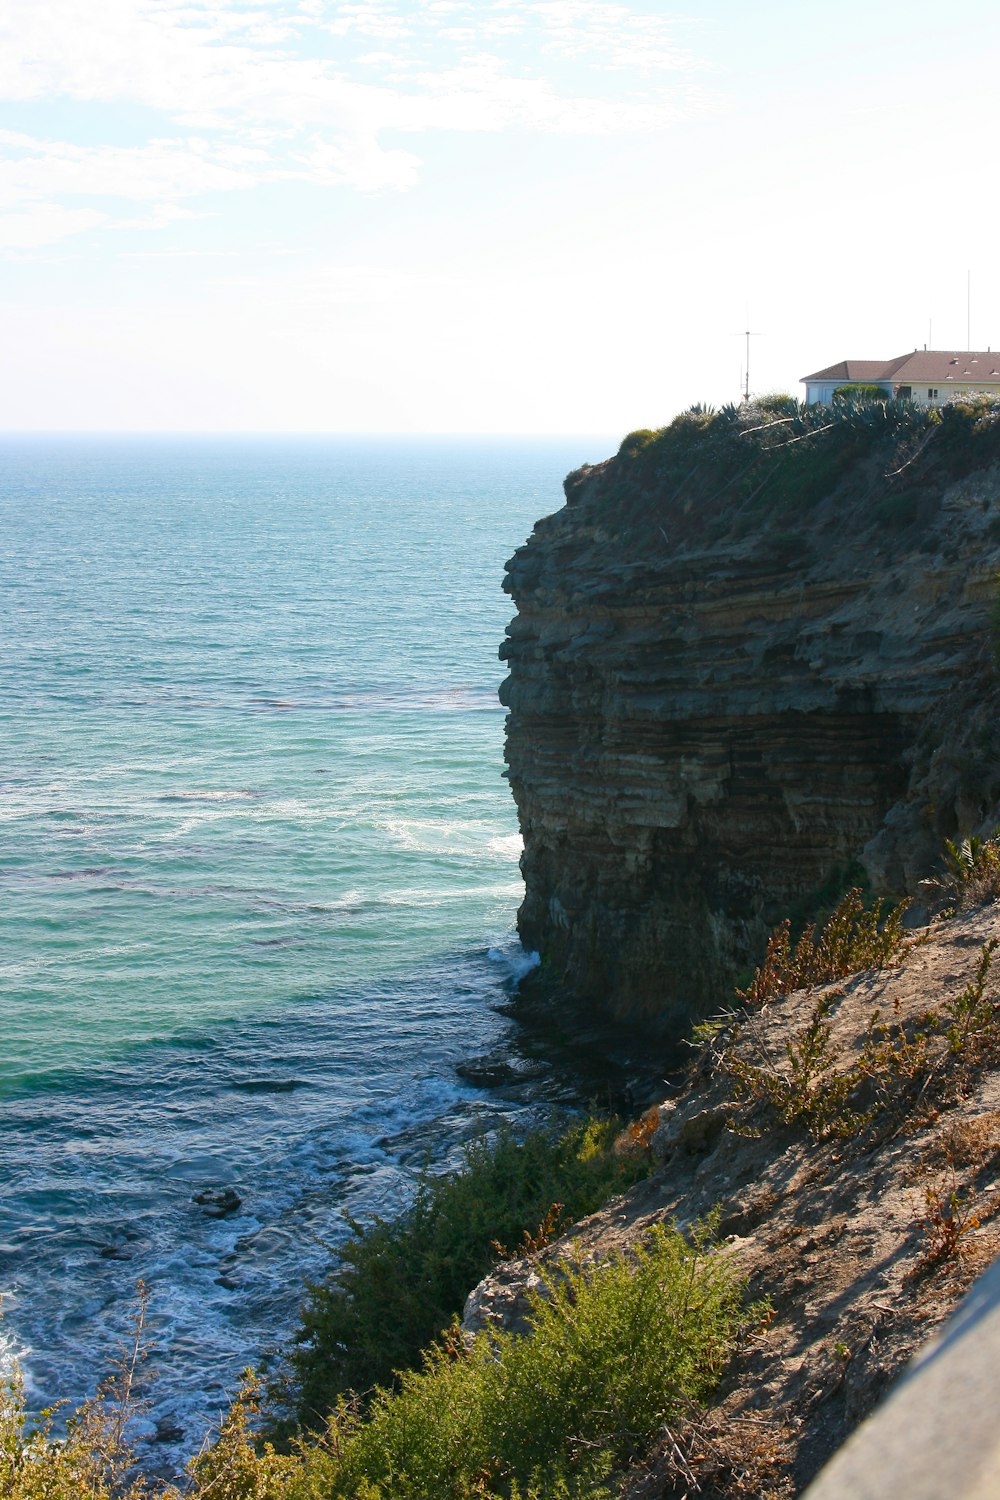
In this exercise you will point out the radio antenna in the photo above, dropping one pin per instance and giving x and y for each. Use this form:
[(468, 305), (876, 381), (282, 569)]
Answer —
[(747, 334)]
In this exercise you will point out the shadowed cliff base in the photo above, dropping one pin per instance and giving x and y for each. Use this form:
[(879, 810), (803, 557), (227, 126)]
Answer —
[(752, 650)]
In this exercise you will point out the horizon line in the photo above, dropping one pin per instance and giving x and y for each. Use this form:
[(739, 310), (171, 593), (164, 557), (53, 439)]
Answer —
[(293, 432)]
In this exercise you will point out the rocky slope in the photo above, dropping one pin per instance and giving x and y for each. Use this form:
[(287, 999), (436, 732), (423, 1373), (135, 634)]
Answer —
[(751, 650), (863, 1236)]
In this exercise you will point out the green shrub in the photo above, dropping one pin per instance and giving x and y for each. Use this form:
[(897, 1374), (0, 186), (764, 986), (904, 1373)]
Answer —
[(401, 1282), (238, 1466), (900, 1065), (900, 1068), (790, 548), (777, 404), (861, 391), (636, 442), (91, 1459), (852, 939), (614, 1352), (970, 432), (712, 471), (815, 907), (34, 1467)]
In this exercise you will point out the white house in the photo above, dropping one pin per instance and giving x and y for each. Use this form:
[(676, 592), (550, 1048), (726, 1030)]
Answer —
[(927, 376)]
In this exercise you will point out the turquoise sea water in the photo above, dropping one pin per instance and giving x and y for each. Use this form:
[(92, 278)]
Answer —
[(257, 863)]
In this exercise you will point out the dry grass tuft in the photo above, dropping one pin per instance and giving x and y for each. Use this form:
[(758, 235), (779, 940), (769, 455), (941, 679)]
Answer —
[(965, 1143), (718, 1457)]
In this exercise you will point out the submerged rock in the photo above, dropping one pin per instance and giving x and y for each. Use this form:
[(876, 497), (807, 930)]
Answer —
[(218, 1203), (499, 1069), (167, 1430)]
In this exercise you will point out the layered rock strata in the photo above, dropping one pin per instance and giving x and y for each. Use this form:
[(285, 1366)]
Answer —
[(716, 707)]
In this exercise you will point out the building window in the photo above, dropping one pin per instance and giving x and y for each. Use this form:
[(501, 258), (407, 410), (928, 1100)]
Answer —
[(932, 393)]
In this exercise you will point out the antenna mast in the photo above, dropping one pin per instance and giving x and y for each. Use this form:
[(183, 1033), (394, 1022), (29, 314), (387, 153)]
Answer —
[(747, 334)]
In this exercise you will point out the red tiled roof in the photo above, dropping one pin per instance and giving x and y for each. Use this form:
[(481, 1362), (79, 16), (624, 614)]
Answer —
[(940, 367), (852, 369), (936, 366)]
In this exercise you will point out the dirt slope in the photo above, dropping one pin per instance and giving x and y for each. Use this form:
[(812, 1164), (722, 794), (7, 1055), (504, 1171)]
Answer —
[(862, 1216)]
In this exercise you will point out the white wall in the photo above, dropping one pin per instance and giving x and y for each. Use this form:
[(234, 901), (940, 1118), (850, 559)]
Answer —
[(822, 391)]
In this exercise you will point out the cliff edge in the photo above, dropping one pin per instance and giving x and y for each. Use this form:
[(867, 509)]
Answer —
[(751, 654)]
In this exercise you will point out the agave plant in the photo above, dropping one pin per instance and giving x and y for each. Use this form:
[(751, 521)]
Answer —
[(972, 856), (973, 869)]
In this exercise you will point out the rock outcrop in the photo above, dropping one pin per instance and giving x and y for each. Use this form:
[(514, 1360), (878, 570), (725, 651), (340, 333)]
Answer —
[(751, 650)]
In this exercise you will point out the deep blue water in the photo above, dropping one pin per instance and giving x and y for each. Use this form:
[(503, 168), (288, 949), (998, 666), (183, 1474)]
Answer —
[(258, 868)]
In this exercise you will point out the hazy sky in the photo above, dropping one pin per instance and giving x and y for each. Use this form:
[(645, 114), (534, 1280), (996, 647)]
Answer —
[(507, 215)]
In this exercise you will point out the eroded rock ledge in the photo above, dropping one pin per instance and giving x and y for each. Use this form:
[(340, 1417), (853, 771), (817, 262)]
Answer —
[(731, 675)]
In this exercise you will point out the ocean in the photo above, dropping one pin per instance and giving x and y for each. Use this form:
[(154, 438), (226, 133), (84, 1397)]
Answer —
[(258, 868)]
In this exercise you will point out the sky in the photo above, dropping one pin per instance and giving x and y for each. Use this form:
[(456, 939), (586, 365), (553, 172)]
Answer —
[(506, 216)]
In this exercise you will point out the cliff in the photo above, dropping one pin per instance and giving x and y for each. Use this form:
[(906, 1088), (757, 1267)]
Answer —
[(752, 650)]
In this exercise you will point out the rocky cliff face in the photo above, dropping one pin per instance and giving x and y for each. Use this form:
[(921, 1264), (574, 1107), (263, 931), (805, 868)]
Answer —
[(751, 650)]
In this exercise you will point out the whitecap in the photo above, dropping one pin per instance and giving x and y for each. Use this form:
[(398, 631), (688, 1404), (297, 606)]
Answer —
[(220, 794), (457, 836), (517, 960), (13, 1353), (510, 845)]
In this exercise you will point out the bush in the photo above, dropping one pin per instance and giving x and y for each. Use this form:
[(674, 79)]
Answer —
[(899, 1066), (401, 1282), (35, 1467), (970, 431), (636, 442), (614, 1352), (94, 1457), (852, 939), (897, 512), (862, 391), (973, 869), (712, 473), (777, 404)]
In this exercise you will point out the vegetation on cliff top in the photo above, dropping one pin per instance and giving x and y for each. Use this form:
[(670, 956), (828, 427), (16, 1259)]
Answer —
[(739, 464)]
